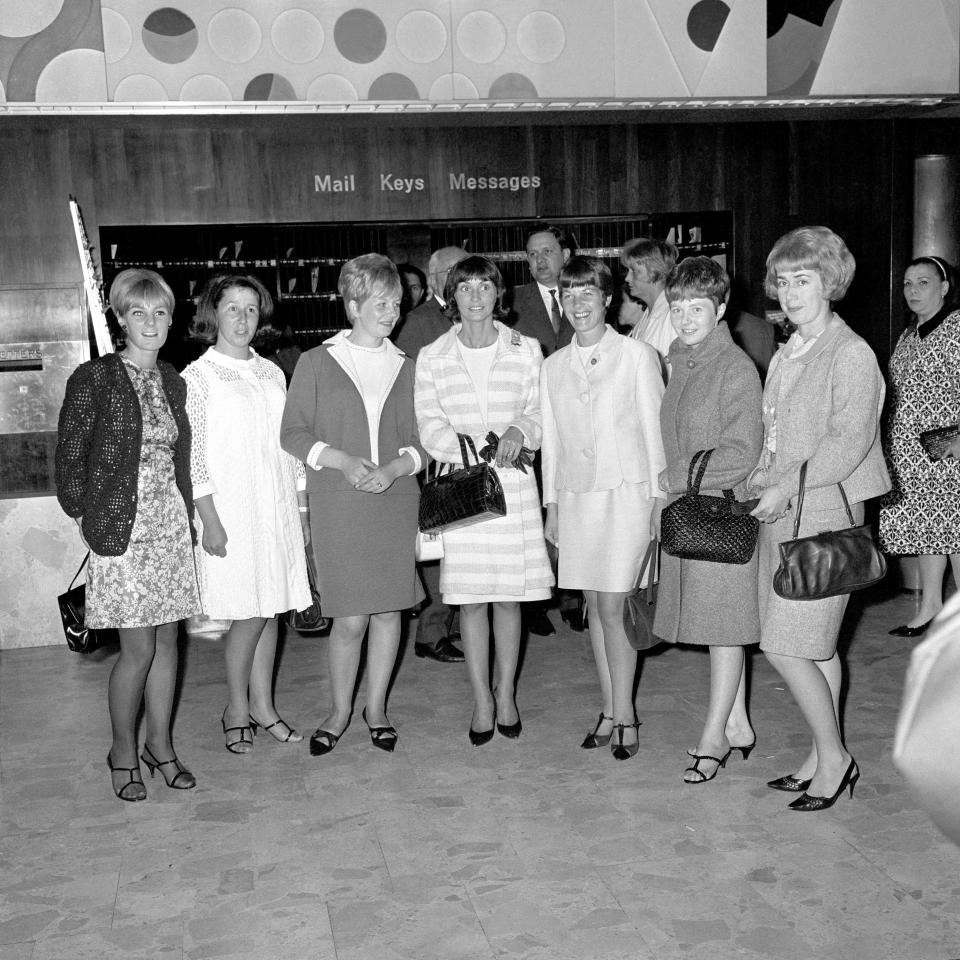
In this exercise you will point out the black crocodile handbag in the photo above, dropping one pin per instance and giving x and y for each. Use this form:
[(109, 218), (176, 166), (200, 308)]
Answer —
[(459, 498), (699, 527)]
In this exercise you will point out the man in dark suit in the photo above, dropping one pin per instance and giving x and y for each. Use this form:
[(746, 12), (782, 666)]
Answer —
[(535, 308), (422, 326), (425, 323), (535, 312)]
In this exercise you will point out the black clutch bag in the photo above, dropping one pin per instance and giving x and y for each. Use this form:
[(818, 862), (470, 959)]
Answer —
[(830, 563), (312, 619), (640, 605), (461, 497), (696, 527), (73, 614), (936, 441)]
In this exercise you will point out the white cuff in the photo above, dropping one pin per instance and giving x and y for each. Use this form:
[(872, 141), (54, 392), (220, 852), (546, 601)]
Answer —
[(314, 455), (415, 456)]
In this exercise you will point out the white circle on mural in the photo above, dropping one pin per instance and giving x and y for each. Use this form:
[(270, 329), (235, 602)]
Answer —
[(205, 88), (117, 35), (75, 76), (297, 36), (481, 37), (138, 86), (234, 35), (453, 86), (541, 37), (332, 88), (421, 36), (24, 18)]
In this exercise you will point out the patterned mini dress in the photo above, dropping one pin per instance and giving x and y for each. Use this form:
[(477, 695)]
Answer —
[(154, 580)]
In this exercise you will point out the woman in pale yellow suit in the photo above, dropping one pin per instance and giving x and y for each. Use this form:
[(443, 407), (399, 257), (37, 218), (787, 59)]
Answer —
[(602, 454)]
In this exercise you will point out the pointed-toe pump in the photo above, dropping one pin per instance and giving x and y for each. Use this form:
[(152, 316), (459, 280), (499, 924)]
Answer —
[(593, 740), (323, 741), (383, 737), (479, 737), (788, 784), (807, 803), (907, 631), (510, 730), (177, 778), (621, 750)]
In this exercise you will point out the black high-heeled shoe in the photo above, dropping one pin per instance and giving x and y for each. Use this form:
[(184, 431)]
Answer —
[(510, 730), (592, 740), (323, 741), (788, 784), (383, 737), (291, 735), (479, 737), (694, 768), (134, 781), (621, 750), (744, 751), (188, 782), (807, 803), (906, 630), (241, 744), (575, 617)]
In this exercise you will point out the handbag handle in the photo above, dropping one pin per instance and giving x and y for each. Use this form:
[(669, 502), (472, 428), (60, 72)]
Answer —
[(467, 441), (693, 486), (803, 481), (83, 563), (650, 559)]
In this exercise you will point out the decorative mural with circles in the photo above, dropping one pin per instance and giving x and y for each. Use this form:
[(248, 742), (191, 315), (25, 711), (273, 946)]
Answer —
[(336, 51)]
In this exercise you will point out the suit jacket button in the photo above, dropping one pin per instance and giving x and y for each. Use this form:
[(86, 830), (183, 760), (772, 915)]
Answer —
[(593, 362), (691, 363)]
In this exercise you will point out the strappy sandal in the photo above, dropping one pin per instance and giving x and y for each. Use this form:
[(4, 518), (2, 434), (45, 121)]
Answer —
[(134, 781), (697, 772), (383, 737), (241, 744), (291, 735), (621, 750), (188, 781)]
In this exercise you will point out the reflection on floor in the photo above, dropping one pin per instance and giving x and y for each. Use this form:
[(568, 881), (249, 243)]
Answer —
[(531, 849)]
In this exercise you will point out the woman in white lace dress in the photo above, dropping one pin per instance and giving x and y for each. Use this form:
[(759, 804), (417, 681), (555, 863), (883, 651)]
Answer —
[(251, 563)]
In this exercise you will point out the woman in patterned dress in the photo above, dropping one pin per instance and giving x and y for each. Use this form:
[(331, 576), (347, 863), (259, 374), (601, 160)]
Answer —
[(921, 515), (349, 417), (482, 377), (122, 471), (251, 563)]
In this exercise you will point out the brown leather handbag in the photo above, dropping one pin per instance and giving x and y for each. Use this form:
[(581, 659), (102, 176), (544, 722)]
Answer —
[(640, 605), (827, 564)]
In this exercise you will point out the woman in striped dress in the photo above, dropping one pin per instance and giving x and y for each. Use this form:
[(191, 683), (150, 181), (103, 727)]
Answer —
[(477, 378)]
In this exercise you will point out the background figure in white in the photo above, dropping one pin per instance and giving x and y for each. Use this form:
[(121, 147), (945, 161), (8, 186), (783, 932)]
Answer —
[(251, 563)]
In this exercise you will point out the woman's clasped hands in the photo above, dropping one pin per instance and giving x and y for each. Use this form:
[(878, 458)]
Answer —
[(773, 505), (366, 476)]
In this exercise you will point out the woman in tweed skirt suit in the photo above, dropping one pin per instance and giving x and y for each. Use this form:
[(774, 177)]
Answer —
[(821, 404), (481, 377), (712, 403)]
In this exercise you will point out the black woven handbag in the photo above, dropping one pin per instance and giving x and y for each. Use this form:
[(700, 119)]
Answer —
[(699, 527), (827, 564), (461, 497)]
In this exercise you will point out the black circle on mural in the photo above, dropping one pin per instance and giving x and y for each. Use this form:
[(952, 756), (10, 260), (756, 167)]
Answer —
[(512, 86), (705, 21), (393, 86), (269, 86), (360, 36), (169, 35)]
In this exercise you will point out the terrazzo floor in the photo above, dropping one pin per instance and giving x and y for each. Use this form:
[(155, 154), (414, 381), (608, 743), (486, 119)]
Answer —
[(530, 850)]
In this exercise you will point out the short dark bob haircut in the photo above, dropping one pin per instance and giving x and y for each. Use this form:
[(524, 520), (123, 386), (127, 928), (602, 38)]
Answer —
[(132, 287), (203, 326), (587, 272), (812, 248), (473, 268), (698, 278)]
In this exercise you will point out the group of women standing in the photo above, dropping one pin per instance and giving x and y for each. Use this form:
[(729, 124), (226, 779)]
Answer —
[(359, 423)]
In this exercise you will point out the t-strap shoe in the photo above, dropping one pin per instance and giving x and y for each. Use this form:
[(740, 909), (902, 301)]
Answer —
[(621, 750), (241, 744), (593, 740), (133, 790), (182, 779)]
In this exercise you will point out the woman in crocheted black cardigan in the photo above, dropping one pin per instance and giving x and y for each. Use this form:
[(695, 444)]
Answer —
[(122, 472)]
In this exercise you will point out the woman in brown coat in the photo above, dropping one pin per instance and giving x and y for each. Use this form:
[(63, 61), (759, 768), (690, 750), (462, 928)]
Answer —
[(712, 402)]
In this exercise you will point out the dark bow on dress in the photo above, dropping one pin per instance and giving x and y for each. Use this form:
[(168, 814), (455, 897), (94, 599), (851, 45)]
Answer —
[(489, 453)]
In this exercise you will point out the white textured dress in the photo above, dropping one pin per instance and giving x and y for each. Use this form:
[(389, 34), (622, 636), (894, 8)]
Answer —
[(235, 408)]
